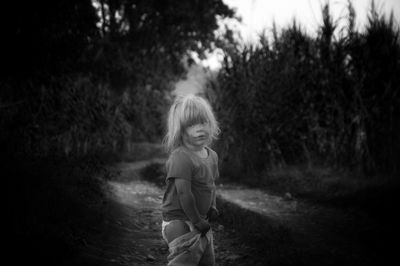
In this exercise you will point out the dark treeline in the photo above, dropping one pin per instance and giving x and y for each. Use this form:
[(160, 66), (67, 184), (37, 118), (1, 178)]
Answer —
[(330, 99), (82, 76)]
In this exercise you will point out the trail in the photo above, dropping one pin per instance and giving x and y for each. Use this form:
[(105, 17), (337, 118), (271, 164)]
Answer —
[(320, 233), (130, 233)]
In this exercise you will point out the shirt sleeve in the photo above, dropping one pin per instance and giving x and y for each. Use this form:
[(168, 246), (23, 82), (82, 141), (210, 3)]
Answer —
[(179, 166)]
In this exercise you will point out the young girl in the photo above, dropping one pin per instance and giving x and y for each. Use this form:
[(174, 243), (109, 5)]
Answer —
[(192, 167)]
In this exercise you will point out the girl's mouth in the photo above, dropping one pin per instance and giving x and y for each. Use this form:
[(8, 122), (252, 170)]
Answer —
[(201, 137)]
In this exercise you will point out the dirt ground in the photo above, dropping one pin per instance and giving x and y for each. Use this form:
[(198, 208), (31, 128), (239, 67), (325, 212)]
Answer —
[(256, 228), (131, 233), (66, 216)]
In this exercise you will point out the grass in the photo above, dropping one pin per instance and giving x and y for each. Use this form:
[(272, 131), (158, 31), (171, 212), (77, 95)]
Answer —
[(262, 233), (137, 151), (324, 185), (154, 173), (367, 204)]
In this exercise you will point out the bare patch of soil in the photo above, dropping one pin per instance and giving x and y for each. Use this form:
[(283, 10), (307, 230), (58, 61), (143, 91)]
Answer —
[(81, 213)]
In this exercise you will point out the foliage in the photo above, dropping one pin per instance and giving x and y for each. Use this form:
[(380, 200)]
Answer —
[(330, 99), (172, 26), (92, 76)]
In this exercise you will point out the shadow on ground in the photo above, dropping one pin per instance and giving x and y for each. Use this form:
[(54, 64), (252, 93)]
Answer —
[(82, 212), (259, 228)]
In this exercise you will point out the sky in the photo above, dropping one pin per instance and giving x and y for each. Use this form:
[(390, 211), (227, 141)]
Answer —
[(259, 15)]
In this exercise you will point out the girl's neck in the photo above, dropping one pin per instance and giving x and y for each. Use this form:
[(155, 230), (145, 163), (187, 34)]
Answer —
[(199, 151)]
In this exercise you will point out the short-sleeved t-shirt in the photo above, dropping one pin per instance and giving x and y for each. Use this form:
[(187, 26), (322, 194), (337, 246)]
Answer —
[(201, 172)]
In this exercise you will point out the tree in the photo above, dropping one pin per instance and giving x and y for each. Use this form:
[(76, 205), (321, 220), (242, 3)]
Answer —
[(166, 25)]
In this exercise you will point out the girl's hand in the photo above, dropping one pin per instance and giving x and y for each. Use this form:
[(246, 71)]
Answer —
[(203, 226), (212, 214)]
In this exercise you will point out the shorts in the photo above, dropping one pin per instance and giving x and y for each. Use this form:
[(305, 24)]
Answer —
[(164, 224)]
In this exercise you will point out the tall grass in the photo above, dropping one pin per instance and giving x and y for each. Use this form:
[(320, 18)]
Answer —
[(332, 99)]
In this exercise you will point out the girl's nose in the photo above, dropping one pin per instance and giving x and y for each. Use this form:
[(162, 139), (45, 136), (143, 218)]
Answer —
[(202, 128)]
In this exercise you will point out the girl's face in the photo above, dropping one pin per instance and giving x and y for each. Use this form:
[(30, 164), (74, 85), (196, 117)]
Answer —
[(197, 136)]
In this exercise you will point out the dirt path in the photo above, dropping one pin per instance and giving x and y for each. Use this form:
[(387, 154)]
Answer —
[(130, 234), (85, 214), (302, 233), (322, 235)]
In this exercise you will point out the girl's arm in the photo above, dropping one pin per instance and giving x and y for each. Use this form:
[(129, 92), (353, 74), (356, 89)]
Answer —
[(188, 204), (187, 200), (213, 212), (214, 202)]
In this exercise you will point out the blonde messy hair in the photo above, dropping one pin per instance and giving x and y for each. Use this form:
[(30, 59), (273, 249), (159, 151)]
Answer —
[(186, 111)]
